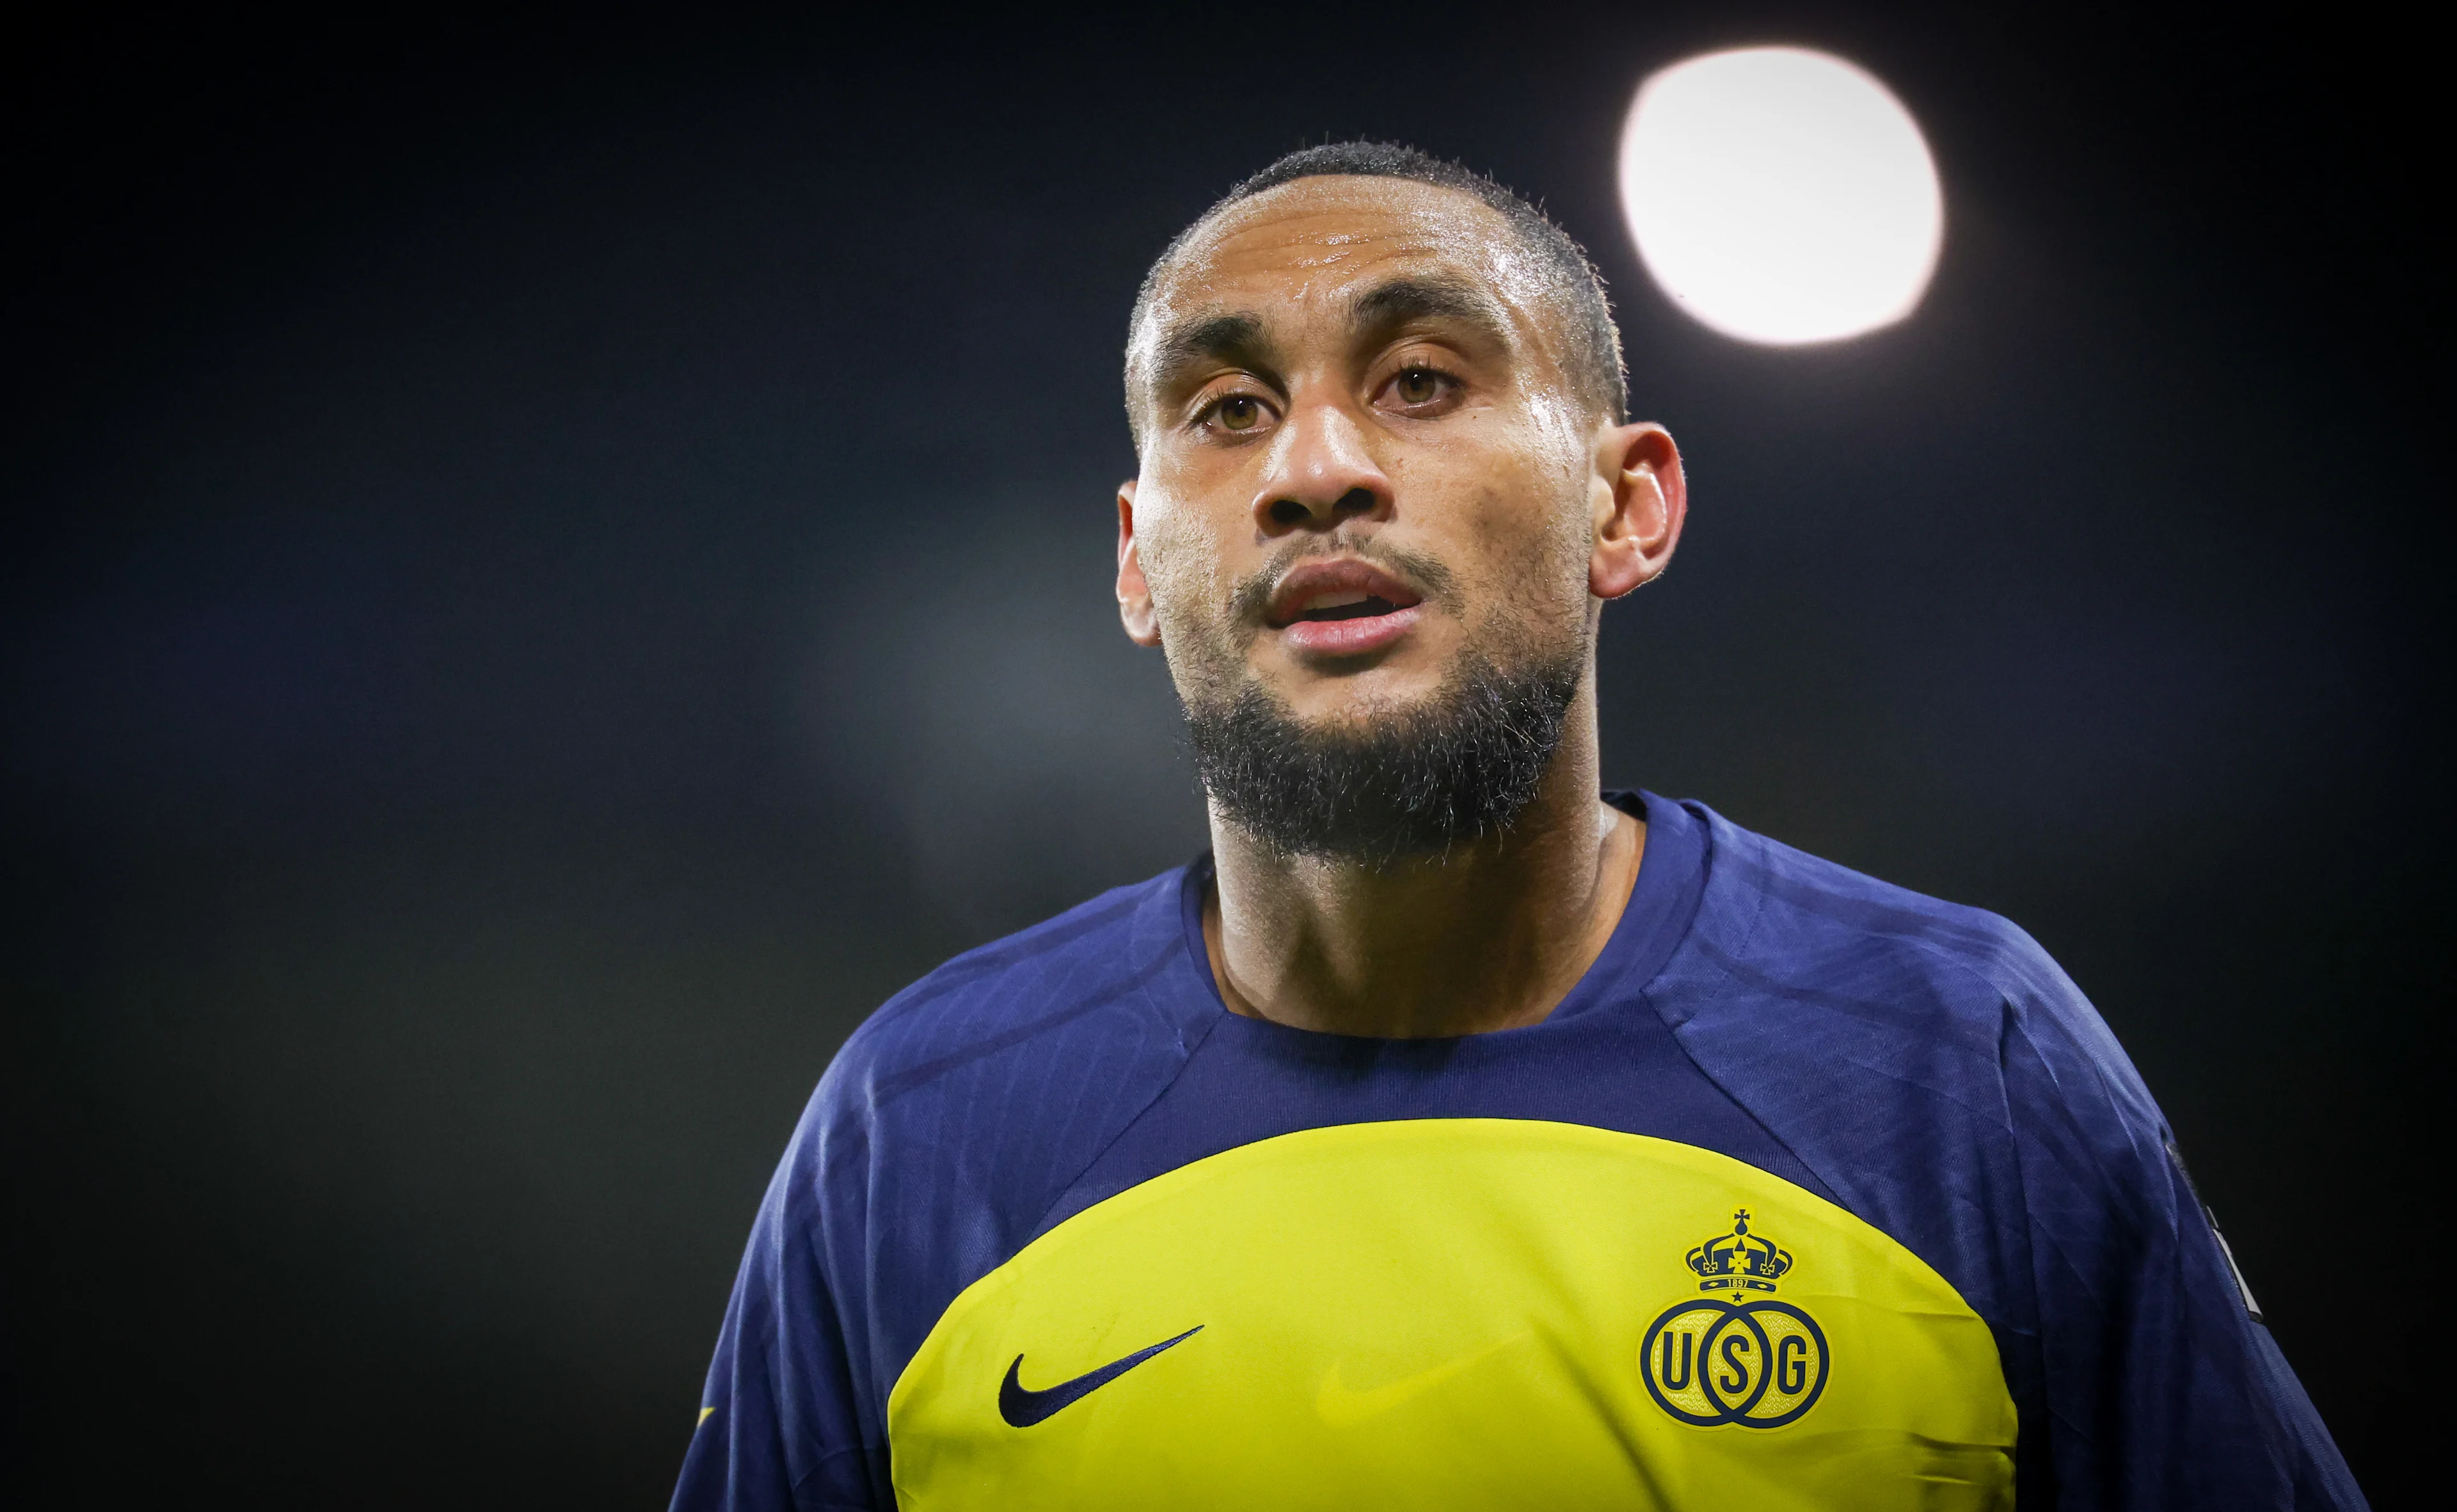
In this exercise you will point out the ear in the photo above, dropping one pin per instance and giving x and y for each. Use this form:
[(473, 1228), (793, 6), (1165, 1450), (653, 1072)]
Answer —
[(1134, 592), (1641, 501)]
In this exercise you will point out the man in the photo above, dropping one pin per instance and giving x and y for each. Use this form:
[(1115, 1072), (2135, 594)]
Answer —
[(1449, 1137)]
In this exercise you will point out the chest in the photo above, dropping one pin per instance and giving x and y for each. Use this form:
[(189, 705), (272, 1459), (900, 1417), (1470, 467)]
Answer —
[(1456, 1313)]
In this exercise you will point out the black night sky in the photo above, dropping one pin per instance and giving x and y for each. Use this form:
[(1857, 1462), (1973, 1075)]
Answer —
[(553, 564)]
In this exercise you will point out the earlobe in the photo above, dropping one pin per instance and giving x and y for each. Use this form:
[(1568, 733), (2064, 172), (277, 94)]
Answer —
[(1134, 591)]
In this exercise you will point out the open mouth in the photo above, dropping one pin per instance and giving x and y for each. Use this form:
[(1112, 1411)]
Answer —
[(1355, 606), (1327, 593), (1339, 608)]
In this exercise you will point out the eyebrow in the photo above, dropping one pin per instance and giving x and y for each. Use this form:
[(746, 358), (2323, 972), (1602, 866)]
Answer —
[(1235, 338), (1404, 300)]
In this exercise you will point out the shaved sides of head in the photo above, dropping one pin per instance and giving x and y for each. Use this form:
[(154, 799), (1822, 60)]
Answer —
[(1590, 342)]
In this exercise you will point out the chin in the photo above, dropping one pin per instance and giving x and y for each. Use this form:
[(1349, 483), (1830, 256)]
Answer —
[(1364, 704), (1367, 694)]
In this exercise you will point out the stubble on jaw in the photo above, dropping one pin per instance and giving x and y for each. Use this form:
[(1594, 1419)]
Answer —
[(1391, 780), (1395, 785)]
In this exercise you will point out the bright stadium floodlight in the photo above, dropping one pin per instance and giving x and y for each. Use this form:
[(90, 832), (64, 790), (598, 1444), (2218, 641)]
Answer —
[(1781, 196)]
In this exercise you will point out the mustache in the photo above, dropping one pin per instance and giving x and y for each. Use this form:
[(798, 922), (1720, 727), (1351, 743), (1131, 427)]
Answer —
[(1251, 600)]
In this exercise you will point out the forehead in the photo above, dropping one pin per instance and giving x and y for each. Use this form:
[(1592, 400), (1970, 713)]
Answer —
[(1314, 244)]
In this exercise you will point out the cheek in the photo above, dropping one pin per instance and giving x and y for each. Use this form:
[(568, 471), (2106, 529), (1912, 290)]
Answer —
[(1541, 562), (1528, 526), (1182, 563)]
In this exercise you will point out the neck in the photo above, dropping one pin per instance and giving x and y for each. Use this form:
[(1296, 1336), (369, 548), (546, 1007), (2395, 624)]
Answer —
[(1491, 936)]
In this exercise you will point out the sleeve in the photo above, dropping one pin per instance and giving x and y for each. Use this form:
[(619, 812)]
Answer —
[(779, 1422), (2164, 1388)]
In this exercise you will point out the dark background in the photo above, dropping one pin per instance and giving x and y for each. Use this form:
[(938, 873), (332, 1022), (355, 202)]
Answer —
[(552, 564)]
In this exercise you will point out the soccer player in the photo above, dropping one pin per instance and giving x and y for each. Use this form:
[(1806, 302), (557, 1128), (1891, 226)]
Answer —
[(1455, 1135)]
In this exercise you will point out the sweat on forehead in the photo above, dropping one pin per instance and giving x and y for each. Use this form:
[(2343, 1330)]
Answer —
[(1331, 210)]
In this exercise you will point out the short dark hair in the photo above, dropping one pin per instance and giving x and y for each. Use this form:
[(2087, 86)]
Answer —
[(1594, 359)]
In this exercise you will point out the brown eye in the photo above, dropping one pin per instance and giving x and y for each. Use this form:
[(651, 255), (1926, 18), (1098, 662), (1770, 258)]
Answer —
[(1238, 414), (1420, 386)]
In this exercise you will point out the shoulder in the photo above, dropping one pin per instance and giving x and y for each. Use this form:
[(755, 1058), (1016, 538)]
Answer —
[(1891, 978), (1017, 1050), (1798, 915), (1003, 999)]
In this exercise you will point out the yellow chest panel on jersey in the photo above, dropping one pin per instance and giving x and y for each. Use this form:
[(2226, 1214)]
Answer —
[(1456, 1314)]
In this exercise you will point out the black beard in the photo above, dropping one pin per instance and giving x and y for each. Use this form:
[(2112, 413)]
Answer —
[(1414, 782)]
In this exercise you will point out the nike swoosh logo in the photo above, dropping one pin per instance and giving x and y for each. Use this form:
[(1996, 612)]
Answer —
[(1022, 1407), (1341, 1406)]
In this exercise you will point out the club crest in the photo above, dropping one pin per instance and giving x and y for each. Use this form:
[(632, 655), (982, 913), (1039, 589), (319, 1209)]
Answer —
[(1734, 1358)]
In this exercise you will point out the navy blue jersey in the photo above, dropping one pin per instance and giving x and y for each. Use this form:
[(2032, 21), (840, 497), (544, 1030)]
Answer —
[(1814, 1192)]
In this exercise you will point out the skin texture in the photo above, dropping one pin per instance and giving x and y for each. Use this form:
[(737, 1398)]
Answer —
[(1347, 370)]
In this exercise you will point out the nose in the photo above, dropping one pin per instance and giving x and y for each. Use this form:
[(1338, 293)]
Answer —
[(1321, 475)]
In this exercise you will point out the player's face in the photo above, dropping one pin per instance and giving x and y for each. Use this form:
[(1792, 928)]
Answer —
[(1362, 456)]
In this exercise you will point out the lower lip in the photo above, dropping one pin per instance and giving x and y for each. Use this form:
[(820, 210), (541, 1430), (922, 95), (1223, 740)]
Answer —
[(1349, 637)]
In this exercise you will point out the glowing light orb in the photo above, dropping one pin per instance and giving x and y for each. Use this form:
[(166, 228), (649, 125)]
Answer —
[(1781, 196)]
